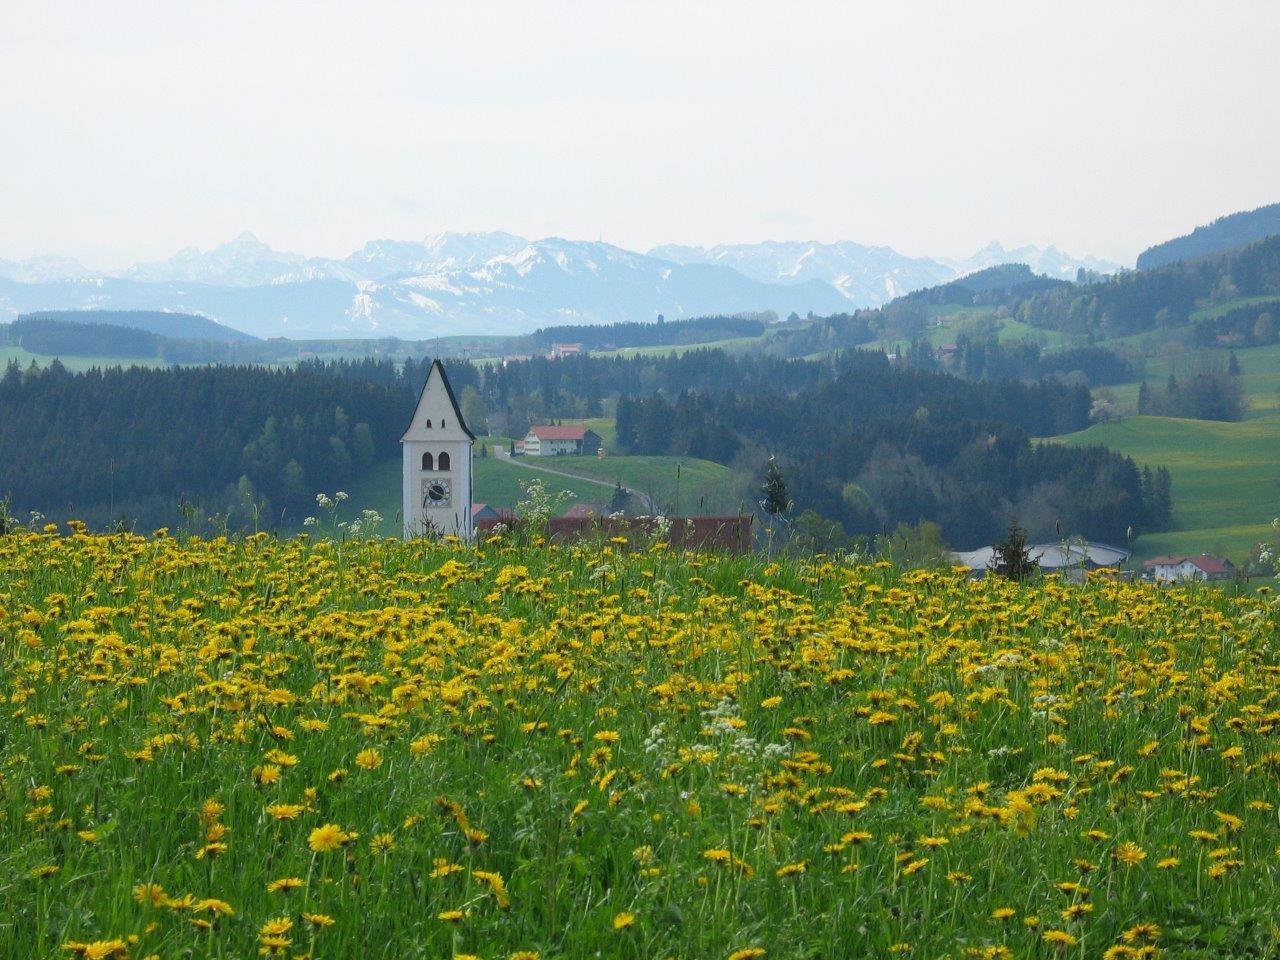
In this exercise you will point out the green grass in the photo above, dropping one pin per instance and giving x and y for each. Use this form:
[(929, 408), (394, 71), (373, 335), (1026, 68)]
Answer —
[(1214, 311), (732, 345), (703, 486), (223, 748), (1225, 489), (1260, 376), (963, 318)]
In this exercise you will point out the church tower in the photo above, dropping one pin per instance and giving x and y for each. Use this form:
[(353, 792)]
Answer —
[(437, 463)]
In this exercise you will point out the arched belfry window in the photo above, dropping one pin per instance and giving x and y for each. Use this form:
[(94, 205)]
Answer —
[(442, 423), (428, 424), (444, 461), (426, 462)]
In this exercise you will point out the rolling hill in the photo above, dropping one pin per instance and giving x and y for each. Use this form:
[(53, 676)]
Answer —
[(1225, 233), (1226, 479), (180, 326)]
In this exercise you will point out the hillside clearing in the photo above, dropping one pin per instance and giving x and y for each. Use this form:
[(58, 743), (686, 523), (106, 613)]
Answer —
[(1226, 478)]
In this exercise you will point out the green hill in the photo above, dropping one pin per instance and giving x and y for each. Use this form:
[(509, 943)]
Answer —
[(677, 484), (1226, 478), (1259, 373), (1234, 230), (184, 326)]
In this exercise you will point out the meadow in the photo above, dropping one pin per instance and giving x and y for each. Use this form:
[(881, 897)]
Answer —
[(1226, 479), (304, 748)]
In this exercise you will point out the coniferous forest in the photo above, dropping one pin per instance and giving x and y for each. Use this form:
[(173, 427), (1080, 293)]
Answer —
[(864, 441)]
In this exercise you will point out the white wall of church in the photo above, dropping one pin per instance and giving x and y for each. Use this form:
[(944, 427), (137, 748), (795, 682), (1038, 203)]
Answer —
[(435, 497)]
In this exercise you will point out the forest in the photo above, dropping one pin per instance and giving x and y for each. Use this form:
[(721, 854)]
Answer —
[(1233, 230), (1164, 297), (868, 443), (139, 445), (874, 445), (609, 336)]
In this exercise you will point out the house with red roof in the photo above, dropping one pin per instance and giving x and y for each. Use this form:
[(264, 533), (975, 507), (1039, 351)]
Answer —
[(1183, 569), (550, 441)]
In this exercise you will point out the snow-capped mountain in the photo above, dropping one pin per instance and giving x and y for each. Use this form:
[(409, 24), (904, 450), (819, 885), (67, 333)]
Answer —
[(495, 283), (41, 269), (451, 284), (866, 276), (244, 261), (1048, 261), (870, 276)]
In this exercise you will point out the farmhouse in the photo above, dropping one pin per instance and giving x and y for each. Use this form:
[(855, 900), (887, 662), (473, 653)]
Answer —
[(1183, 569), (560, 441)]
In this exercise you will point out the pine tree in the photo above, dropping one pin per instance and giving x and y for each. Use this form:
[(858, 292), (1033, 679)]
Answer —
[(1147, 493), (1162, 498), (775, 497), (620, 499), (1012, 559)]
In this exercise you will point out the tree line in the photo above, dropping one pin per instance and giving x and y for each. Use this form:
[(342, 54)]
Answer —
[(876, 445), (136, 444)]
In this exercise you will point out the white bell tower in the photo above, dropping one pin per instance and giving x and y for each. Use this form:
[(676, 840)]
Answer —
[(437, 463)]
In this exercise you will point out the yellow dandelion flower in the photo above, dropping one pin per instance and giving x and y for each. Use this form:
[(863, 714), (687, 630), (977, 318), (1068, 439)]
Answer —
[(1059, 938), (328, 837)]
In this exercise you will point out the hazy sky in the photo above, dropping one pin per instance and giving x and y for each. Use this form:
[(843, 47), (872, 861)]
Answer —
[(132, 129)]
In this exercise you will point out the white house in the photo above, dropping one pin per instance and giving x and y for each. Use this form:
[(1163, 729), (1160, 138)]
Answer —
[(1182, 569), (560, 441), (437, 463)]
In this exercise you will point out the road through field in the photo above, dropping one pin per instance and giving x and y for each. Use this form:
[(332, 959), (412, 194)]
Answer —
[(640, 495)]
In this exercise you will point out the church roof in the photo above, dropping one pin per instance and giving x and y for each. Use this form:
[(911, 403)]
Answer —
[(436, 365)]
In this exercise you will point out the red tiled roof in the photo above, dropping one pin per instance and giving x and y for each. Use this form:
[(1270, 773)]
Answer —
[(559, 433), (1204, 562), (1210, 564)]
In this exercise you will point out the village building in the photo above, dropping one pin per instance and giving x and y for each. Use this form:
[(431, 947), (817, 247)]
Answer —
[(546, 441), (1185, 569), (437, 449), (1071, 560)]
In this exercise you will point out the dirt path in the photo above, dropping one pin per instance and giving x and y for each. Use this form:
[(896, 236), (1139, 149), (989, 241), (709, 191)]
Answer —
[(640, 495)]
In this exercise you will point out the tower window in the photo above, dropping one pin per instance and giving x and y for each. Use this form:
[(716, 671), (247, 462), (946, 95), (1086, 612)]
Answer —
[(444, 461), (428, 424), (442, 423), (426, 462)]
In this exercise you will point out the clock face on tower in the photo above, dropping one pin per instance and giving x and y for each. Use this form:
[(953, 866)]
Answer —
[(436, 493)]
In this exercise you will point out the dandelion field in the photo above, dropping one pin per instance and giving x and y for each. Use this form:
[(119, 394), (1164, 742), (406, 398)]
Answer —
[(296, 748)]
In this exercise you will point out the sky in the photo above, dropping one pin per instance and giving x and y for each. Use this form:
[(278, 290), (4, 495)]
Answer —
[(133, 129)]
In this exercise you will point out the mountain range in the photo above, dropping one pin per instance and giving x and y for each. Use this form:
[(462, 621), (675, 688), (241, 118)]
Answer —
[(497, 283)]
